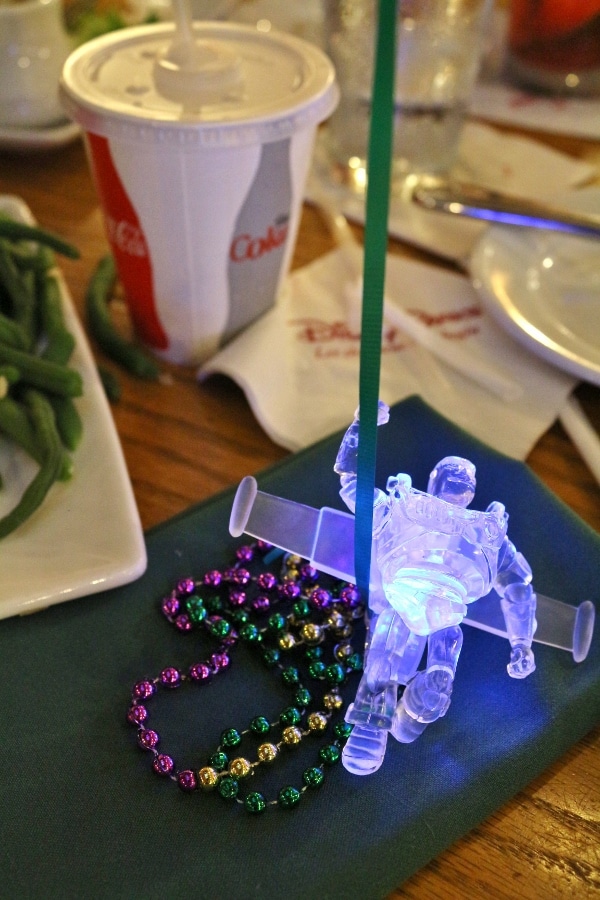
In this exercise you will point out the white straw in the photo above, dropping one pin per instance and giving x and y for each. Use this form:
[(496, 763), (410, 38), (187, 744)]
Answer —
[(581, 432), (430, 373), (182, 14), (481, 373), (424, 371), (476, 370)]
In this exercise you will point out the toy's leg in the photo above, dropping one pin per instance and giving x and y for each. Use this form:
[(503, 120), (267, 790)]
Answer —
[(371, 714), (364, 750), (394, 651), (427, 696), (391, 655)]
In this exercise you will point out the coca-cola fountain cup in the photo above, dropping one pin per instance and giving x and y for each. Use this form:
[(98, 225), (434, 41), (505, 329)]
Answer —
[(200, 167)]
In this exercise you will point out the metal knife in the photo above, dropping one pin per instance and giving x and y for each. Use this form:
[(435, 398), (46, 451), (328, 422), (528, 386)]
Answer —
[(479, 203)]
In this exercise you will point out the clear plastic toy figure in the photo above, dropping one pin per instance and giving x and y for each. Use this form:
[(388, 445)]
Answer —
[(433, 557), (435, 564)]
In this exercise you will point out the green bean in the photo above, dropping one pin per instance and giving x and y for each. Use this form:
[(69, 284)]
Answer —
[(11, 374), (60, 342), (27, 313), (37, 411), (40, 259), (68, 421), (20, 292), (35, 493), (101, 327), (43, 373), (18, 231), (14, 285), (12, 333), (59, 347), (110, 383), (6, 306), (15, 423)]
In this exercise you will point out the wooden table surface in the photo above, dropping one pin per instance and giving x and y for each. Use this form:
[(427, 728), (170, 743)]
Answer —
[(184, 441)]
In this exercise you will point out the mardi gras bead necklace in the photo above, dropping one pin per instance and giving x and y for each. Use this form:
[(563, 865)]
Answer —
[(303, 627)]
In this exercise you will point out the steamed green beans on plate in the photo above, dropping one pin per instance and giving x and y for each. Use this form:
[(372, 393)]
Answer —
[(38, 387)]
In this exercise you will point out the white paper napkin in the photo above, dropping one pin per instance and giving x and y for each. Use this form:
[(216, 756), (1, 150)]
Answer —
[(299, 364), (507, 163), (499, 102)]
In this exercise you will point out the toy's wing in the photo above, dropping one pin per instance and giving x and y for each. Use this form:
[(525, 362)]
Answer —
[(558, 624), (326, 538)]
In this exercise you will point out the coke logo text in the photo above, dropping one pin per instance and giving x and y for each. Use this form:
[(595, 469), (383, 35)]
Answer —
[(126, 237), (245, 247)]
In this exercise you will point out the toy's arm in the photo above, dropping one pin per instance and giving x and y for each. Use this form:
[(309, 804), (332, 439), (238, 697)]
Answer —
[(518, 602), (347, 458)]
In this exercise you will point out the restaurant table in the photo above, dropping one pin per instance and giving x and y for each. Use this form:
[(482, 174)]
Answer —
[(184, 441)]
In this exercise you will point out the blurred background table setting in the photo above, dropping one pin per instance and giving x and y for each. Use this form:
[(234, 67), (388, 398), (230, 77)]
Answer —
[(230, 220)]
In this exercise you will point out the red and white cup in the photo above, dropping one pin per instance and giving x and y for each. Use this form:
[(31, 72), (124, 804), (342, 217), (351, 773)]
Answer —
[(200, 178)]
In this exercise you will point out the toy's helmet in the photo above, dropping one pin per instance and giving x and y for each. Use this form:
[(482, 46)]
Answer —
[(453, 480)]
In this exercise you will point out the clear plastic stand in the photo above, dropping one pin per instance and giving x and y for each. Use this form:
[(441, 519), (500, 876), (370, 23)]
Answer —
[(326, 538)]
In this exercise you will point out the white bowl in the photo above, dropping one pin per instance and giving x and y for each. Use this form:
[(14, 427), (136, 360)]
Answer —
[(33, 47)]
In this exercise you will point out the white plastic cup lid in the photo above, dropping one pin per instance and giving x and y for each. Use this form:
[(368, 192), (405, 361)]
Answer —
[(244, 87)]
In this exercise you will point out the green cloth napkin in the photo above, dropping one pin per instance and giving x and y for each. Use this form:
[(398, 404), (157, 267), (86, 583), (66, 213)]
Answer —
[(84, 817)]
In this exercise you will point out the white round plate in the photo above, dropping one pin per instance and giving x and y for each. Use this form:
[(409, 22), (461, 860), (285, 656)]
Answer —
[(543, 288)]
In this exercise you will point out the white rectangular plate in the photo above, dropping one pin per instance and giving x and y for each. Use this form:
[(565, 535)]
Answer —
[(87, 535)]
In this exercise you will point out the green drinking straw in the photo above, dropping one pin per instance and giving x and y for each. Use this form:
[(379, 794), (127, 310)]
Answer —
[(376, 236)]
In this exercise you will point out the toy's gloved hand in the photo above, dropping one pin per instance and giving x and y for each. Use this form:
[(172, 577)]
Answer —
[(522, 662), (383, 413), (346, 461)]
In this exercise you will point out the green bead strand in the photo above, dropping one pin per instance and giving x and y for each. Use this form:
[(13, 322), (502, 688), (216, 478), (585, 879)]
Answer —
[(335, 674), (228, 787), (271, 657), (219, 761), (317, 669), (219, 629), (290, 716), (288, 797), (302, 697), (301, 610), (291, 675), (250, 634), (314, 777), (255, 802), (342, 730), (330, 754), (276, 622), (231, 737), (214, 605), (195, 609), (260, 725), (355, 662), (239, 617)]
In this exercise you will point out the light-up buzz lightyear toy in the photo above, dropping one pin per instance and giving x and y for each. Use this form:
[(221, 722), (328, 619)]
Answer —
[(435, 564), (433, 557)]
